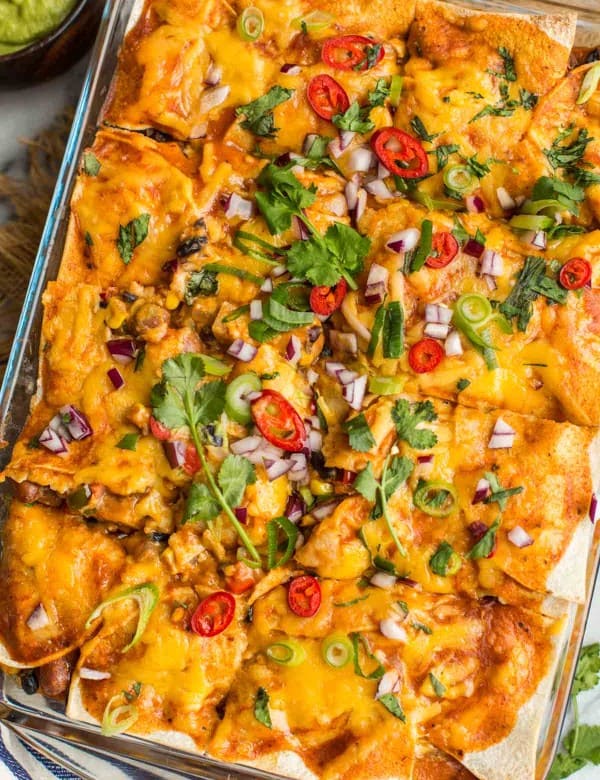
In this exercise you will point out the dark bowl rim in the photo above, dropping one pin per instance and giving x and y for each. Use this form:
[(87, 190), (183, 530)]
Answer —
[(41, 43)]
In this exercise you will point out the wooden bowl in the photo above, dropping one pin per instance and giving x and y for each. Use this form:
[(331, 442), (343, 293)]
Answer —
[(57, 51)]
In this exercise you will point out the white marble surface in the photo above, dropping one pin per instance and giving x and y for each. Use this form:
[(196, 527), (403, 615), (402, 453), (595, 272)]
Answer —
[(23, 113)]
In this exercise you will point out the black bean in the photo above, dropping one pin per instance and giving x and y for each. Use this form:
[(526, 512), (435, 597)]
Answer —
[(157, 536), (593, 55), (29, 681), (190, 246)]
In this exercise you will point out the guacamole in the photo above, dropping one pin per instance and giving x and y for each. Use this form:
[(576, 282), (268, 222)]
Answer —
[(24, 21)]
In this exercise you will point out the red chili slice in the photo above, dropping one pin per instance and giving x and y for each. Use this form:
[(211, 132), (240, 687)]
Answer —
[(425, 355), (575, 273), (213, 614), (304, 596), (278, 421), (326, 300), (445, 249), (352, 52), (400, 153), (326, 97), (191, 463), (159, 431)]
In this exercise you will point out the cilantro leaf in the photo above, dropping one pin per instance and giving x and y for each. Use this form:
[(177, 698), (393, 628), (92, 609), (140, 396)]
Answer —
[(478, 169), (282, 196), (584, 742), (209, 401), (408, 416), (419, 129), (201, 282), (359, 433), (565, 155), (552, 188), (317, 155), (259, 113), (531, 283), (421, 627), (392, 705), (235, 474), (438, 687), (356, 118), (443, 152), (358, 642), (499, 495), (91, 164), (366, 483), (444, 560), (200, 504), (395, 474), (462, 384), (565, 765), (181, 376), (261, 708), (131, 235), (370, 58), (509, 73), (129, 441), (486, 544), (380, 93), (528, 99), (587, 674)]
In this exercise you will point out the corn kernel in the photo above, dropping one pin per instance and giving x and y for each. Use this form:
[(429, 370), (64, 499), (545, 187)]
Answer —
[(320, 488), (172, 301), (116, 313)]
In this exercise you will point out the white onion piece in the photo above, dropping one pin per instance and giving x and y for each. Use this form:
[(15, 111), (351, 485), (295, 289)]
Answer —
[(293, 351), (338, 205), (93, 674), (492, 263), (211, 98), (382, 580), (246, 445), (519, 537), (311, 376), (334, 147), (321, 511), (239, 207), (502, 436), (490, 281), (361, 205), (278, 270), (389, 683), (214, 74), (378, 273), (344, 342), (199, 130), (360, 159), (403, 240), (359, 388), (334, 368), (346, 138), (378, 189), (38, 618), (267, 286), (256, 311), (308, 143), (242, 350), (315, 441), (351, 194), (505, 200), (391, 630), (436, 330), (382, 171), (345, 376), (539, 240), (276, 468), (435, 312), (453, 345)]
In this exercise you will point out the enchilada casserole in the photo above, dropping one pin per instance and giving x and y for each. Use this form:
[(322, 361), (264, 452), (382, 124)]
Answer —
[(308, 482)]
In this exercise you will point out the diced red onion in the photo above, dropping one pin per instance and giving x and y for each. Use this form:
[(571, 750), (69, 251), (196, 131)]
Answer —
[(425, 459), (38, 618), (267, 285), (299, 468), (277, 468), (175, 453), (346, 138), (345, 376), (315, 440), (389, 683), (519, 537), (122, 350), (436, 330), (246, 445), (404, 240), (505, 200), (539, 240), (214, 74), (334, 147), (377, 274), (354, 392), (314, 422), (593, 508), (243, 351), (378, 189), (492, 263), (52, 441), (76, 422), (357, 212), (211, 98), (256, 310), (473, 248), (453, 345), (392, 630), (344, 342), (475, 204), (295, 508), (300, 230), (241, 512), (435, 312), (382, 580), (239, 207), (361, 160), (58, 426), (482, 491), (293, 351), (93, 674), (115, 377), (502, 435), (308, 143), (290, 69), (490, 281), (324, 509), (375, 293)]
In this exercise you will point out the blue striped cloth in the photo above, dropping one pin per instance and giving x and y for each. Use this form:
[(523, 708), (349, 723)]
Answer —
[(18, 760)]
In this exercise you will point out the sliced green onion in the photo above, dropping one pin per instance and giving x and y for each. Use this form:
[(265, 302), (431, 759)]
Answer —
[(435, 498), (214, 366), (536, 206), (288, 316), (250, 24), (378, 670), (291, 533), (589, 84), (287, 652), (435, 204), (393, 330), (237, 405), (119, 719), (473, 309), (315, 20), (396, 85), (386, 385), (241, 241), (337, 650), (221, 268), (425, 244), (459, 178), (531, 222), (145, 595)]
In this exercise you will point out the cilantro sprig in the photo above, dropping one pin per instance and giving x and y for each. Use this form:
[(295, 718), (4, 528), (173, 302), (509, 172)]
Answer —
[(179, 401), (258, 113), (407, 417), (531, 283)]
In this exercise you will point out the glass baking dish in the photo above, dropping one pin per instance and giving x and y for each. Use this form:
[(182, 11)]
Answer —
[(42, 723)]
